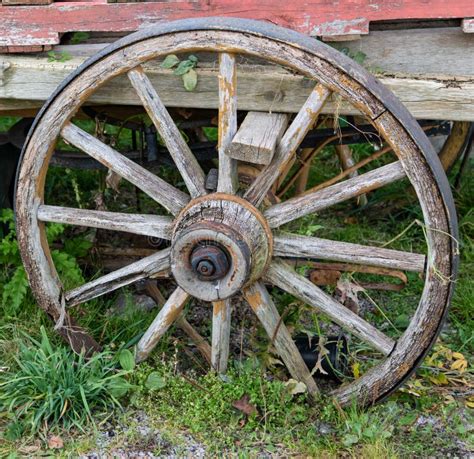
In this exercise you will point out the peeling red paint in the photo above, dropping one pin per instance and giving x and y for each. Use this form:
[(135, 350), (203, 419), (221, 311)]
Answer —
[(42, 25)]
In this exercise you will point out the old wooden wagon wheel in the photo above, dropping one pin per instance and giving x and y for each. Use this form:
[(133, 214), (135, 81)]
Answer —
[(226, 243)]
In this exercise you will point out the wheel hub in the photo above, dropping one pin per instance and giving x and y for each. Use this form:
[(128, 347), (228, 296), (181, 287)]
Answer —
[(220, 244), (210, 262)]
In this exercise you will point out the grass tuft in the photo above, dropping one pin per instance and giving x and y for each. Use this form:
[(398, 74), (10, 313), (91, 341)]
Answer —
[(51, 387)]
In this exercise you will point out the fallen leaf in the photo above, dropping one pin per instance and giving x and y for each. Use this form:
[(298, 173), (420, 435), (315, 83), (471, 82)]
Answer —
[(322, 353), (55, 442), (439, 380), (296, 387), (113, 180), (356, 370), (324, 277), (459, 365), (458, 356), (243, 404), (348, 292)]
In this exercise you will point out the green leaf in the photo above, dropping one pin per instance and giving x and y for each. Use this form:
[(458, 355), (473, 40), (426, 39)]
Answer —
[(402, 321), (155, 381), (14, 431), (184, 67), (170, 61), (119, 386), (350, 439), (193, 58), (190, 80), (408, 419), (58, 57), (127, 360), (15, 290), (77, 247)]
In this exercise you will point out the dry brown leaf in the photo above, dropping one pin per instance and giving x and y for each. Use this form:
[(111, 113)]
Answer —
[(244, 405), (113, 180), (324, 277), (55, 442), (348, 292)]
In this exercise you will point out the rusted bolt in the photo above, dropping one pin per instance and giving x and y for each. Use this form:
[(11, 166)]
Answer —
[(205, 268), (209, 262)]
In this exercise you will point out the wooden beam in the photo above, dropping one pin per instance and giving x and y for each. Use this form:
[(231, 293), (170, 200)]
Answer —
[(317, 17), (257, 137), (386, 51), (441, 87)]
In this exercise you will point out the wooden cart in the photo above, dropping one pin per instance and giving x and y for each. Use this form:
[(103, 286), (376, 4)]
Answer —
[(266, 83)]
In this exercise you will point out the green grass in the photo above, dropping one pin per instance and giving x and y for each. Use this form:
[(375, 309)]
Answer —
[(48, 387)]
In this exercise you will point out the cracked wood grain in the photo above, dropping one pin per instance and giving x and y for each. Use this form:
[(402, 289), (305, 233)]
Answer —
[(147, 225), (141, 269), (262, 304), (283, 276), (296, 246), (314, 201), (179, 150)]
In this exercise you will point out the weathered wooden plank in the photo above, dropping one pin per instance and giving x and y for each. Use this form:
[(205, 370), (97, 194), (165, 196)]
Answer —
[(148, 225), (142, 269), (165, 194), (262, 304), (314, 201), (221, 316), (199, 341), (283, 276), (228, 179), (292, 245), (407, 52), (291, 140), (179, 150), (448, 94), (163, 321), (257, 137), (315, 17)]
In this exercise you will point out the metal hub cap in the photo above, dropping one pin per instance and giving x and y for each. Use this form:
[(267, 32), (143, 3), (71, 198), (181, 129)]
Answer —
[(220, 244), (210, 262)]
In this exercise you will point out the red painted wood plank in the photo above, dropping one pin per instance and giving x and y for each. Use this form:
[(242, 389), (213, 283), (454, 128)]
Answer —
[(26, 25)]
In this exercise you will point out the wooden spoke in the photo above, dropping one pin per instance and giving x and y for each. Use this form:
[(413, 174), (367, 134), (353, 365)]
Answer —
[(220, 334), (148, 225), (199, 341), (228, 177), (182, 155), (288, 144), (142, 269), (287, 279), (165, 318), (311, 202), (165, 194), (261, 303), (292, 245)]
